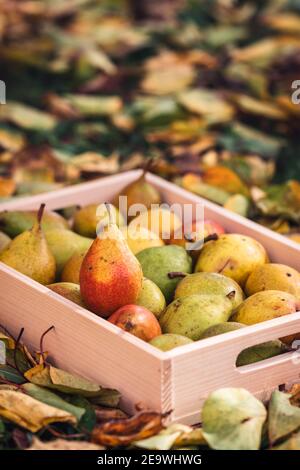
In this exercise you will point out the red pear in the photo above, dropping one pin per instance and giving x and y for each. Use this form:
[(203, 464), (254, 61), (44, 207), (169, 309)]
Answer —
[(138, 321), (110, 275)]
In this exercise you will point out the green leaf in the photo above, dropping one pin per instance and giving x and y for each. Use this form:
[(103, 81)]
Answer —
[(50, 398), (9, 373), (107, 397), (284, 418), (88, 420), (232, 419)]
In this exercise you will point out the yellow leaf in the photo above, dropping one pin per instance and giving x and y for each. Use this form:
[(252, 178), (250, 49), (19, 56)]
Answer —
[(224, 178), (62, 444), (30, 413)]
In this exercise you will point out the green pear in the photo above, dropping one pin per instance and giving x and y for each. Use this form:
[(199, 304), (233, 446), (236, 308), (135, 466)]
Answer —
[(274, 277), (233, 255), (68, 290), (87, 219), (151, 297), (15, 222), (4, 241), (265, 305), (169, 341), (64, 243), (210, 283), (30, 254), (190, 316), (158, 262), (220, 328), (249, 355)]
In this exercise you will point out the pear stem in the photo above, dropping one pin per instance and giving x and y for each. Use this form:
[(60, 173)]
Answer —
[(176, 274), (16, 349), (213, 236), (147, 167), (42, 341), (231, 295), (40, 213), (107, 205)]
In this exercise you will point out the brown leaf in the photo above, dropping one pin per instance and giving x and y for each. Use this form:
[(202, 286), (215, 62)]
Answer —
[(7, 187), (92, 162), (124, 431), (30, 413), (225, 179)]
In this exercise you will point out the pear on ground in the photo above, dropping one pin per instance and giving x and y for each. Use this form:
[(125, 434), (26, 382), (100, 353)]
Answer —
[(71, 270), (158, 262), (210, 283), (249, 355), (139, 192), (159, 220), (190, 316), (88, 218), (64, 244), (274, 277), (265, 305), (68, 290), (4, 241), (30, 254), (15, 222), (141, 238), (110, 275), (169, 341), (233, 255), (151, 297)]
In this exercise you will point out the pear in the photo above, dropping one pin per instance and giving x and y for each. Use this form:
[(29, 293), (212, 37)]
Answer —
[(4, 241), (249, 355), (71, 270), (87, 218), (68, 290), (265, 305), (169, 341), (30, 254), (210, 283), (158, 262), (233, 255), (158, 220), (110, 275), (151, 297), (190, 316), (15, 222), (274, 277), (140, 192), (64, 244), (139, 240), (221, 328)]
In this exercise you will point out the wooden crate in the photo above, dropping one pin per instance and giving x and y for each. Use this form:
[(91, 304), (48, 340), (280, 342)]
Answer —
[(178, 380)]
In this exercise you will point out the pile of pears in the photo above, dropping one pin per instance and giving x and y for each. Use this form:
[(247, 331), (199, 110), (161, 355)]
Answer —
[(144, 278)]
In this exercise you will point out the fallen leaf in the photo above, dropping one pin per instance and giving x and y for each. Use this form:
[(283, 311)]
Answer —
[(62, 444), (284, 418), (208, 104), (92, 162), (27, 117), (233, 419), (226, 179), (292, 443), (94, 105), (51, 377), (50, 398), (30, 413), (125, 431)]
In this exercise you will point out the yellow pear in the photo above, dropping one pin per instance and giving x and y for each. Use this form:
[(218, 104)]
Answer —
[(274, 277), (71, 270), (232, 255), (159, 220), (265, 305), (139, 239), (30, 254), (89, 217)]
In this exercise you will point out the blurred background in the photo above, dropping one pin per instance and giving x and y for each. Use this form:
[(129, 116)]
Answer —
[(206, 89)]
